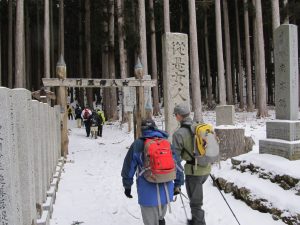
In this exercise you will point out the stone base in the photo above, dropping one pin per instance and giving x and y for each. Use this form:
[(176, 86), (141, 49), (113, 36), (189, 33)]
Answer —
[(232, 141), (283, 129), (287, 149), (45, 219)]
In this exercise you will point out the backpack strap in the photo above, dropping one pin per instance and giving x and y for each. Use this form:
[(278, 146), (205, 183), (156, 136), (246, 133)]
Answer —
[(158, 201), (168, 197)]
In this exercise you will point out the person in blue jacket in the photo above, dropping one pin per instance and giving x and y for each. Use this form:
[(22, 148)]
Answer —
[(152, 212)]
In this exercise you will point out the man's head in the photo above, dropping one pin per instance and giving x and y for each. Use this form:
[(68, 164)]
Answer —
[(181, 111), (148, 124)]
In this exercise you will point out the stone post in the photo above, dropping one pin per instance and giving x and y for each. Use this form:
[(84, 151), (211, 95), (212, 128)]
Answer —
[(58, 131), (61, 72), (176, 75), (37, 155), (283, 137), (44, 149), (10, 197), (22, 104)]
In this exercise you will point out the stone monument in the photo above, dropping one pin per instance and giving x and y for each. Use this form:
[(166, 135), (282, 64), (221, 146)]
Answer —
[(176, 75), (283, 134)]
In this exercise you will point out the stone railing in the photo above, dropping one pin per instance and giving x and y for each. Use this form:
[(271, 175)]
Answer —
[(30, 158)]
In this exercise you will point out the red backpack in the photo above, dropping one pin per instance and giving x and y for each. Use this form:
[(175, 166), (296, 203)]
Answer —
[(86, 114), (159, 165)]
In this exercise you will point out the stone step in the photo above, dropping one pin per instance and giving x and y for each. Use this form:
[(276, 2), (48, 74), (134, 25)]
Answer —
[(259, 194), (273, 168)]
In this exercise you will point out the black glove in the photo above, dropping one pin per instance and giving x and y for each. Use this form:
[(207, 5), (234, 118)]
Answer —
[(127, 192), (177, 190)]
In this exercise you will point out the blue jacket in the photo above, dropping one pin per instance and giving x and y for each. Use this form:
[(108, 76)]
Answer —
[(147, 192)]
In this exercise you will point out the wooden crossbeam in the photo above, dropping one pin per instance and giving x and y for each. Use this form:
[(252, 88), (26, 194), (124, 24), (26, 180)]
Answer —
[(96, 83)]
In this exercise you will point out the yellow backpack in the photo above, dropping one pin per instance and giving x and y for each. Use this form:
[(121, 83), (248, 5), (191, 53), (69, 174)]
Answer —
[(206, 148)]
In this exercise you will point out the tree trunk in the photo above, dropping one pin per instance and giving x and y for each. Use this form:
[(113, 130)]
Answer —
[(46, 40), (105, 70), (80, 91), (194, 61), (38, 50), (240, 70), (52, 64), (256, 65), (88, 66), (220, 58), (228, 54), (1, 55), (275, 15), (248, 57), (262, 105), (10, 44), (27, 59), (61, 28), (122, 49), (286, 19), (167, 16), (208, 71), (113, 92), (156, 109), (142, 33), (19, 47)]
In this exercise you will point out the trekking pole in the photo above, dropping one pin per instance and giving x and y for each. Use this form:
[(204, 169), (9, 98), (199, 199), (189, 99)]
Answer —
[(214, 181), (183, 206)]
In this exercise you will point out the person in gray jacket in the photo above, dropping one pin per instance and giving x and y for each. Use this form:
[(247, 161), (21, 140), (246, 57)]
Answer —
[(183, 143)]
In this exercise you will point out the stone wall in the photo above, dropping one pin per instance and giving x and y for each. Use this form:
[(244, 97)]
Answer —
[(29, 153)]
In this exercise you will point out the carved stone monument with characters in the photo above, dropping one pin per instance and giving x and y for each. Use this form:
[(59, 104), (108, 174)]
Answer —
[(176, 75), (283, 134)]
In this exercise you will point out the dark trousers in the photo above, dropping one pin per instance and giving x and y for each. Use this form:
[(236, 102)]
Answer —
[(100, 130), (70, 115), (87, 125), (194, 188)]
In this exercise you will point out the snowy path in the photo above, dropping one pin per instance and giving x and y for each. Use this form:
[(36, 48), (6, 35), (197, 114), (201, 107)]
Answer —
[(91, 192)]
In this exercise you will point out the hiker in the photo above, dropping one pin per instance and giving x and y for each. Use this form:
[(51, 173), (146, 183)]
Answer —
[(195, 175), (95, 123), (86, 116), (78, 118), (153, 198), (70, 114), (102, 121)]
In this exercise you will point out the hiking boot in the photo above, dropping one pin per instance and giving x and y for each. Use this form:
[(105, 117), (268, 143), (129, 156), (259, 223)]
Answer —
[(162, 222)]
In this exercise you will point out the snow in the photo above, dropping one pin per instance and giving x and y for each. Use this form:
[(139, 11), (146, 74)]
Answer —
[(90, 189)]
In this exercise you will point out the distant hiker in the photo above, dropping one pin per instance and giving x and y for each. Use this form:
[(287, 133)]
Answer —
[(95, 123), (70, 114), (86, 116), (78, 118), (196, 175), (102, 121), (158, 173)]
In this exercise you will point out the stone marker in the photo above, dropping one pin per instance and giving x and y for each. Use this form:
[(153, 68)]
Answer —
[(225, 115), (176, 75), (10, 198), (283, 134), (22, 105), (286, 72)]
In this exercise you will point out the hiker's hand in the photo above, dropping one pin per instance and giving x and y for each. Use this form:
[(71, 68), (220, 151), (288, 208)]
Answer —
[(177, 190), (127, 192)]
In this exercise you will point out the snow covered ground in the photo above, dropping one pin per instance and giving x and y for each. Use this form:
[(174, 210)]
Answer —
[(91, 193)]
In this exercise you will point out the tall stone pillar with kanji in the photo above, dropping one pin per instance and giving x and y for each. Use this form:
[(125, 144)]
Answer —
[(175, 75)]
